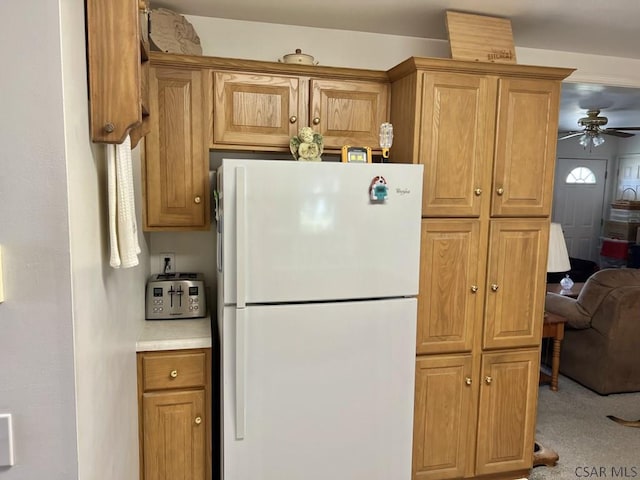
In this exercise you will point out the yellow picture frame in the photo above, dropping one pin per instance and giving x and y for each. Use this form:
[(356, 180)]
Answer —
[(351, 154)]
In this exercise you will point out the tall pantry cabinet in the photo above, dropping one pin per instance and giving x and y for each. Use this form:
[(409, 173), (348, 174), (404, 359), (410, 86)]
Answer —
[(486, 134)]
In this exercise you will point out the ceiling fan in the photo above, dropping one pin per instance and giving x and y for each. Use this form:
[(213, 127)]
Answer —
[(593, 125)]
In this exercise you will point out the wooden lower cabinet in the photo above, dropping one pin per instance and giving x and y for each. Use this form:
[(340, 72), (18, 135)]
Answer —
[(443, 415), (174, 401), (507, 411), (174, 435), (480, 310), (470, 424)]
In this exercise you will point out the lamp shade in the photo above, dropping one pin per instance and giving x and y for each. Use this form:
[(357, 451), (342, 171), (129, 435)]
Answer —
[(558, 259)]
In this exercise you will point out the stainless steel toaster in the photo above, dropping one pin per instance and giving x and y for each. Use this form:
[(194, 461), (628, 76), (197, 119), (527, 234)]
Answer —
[(175, 296)]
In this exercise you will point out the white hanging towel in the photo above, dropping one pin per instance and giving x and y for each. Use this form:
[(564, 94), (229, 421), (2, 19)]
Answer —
[(123, 228)]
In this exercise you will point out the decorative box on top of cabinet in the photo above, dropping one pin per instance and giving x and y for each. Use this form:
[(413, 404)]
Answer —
[(486, 135)]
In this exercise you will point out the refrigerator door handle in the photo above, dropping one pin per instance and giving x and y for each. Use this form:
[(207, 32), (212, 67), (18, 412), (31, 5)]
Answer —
[(241, 252), (241, 409), (241, 237)]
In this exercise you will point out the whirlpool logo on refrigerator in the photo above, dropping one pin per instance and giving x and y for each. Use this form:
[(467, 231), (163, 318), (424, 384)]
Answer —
[(403, 191)]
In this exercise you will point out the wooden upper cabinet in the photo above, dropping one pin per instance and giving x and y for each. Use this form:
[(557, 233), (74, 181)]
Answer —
[(516, 269), (456, 140), (451, 285), (176, 164), (254, 109), (444, 416), (525, 147), (117, 60), (266, 110), (507, 411), (348, 112), (485, 132)]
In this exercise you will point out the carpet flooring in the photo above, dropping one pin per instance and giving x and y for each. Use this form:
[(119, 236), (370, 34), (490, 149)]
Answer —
[(573, 422)]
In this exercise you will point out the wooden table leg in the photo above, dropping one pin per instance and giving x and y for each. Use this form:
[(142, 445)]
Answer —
[(555, 365), (555, 359)]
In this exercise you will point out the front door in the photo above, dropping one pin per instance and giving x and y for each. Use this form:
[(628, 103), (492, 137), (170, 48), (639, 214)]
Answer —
[(578, 200)]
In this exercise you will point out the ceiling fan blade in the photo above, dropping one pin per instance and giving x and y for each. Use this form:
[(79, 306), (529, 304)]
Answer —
[(565, 135), (623, 128), (616, 133)]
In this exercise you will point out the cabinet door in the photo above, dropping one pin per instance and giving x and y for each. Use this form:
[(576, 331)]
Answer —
[(516, 271), (113, 60), (176, 161), (257, 110), (443, 416), (525, 152), (174, 435), (507, 411), (456, 141), (348, 112), (450, 295)]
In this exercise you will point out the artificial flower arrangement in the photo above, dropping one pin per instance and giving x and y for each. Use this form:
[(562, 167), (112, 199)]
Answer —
[(307, 145)]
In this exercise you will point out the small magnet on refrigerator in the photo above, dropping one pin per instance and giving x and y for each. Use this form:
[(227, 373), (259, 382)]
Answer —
[(378, 190)]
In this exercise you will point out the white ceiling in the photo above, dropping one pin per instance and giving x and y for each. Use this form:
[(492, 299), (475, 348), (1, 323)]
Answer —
[(599, 27)]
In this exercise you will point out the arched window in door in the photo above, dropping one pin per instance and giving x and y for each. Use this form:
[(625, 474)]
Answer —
[(581, 175)]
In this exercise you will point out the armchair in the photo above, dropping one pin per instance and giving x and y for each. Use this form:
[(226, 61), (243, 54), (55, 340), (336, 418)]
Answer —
[(603, 335)]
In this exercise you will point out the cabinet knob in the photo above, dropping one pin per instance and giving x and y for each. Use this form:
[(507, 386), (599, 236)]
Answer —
[(197, 200), (173, 374), (109, 127), (478, 192), (316, 120), (488, 380), (494, 287), (474, 288), (467, 380), (198, 420), (293, 119), (500, 191)]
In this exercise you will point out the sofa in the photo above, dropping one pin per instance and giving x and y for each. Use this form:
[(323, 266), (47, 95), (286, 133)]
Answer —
[(602, 335)]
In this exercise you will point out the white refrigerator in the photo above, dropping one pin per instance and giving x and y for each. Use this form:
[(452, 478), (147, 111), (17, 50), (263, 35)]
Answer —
[(318, 266)]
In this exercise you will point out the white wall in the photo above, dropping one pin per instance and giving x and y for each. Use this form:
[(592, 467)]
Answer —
[(630, 145), (36, 331), (108, 304), (69, 322), (339, 48)]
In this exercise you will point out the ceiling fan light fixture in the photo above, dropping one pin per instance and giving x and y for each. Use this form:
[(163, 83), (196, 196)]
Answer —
[(597, 140), (584, 140)]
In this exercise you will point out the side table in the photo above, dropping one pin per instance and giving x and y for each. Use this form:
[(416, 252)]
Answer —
[(573, 292), (553, 327)]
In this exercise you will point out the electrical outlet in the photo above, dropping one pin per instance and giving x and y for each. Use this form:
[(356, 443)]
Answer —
[(167, 262)]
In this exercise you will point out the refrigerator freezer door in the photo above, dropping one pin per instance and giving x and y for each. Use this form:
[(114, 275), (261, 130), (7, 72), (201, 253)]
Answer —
[(328, 393), (311, 231)]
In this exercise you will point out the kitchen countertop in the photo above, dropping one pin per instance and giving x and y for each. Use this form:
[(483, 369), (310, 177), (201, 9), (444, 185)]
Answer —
[(175, 334)]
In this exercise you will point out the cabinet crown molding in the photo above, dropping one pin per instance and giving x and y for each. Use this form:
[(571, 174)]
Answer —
[(448, 65), (235, 64)]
